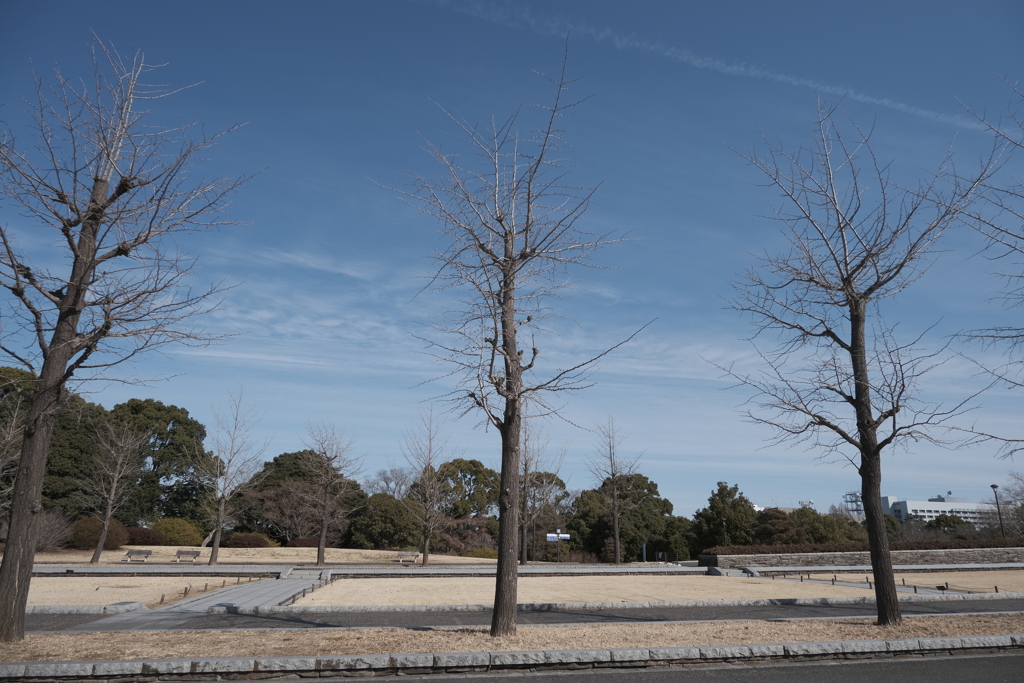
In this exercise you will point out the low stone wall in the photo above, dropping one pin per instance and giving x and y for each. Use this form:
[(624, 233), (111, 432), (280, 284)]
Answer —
[(958, 556)]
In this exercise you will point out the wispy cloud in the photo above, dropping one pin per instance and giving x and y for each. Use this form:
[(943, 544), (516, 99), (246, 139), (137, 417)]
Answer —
[(515, 16)]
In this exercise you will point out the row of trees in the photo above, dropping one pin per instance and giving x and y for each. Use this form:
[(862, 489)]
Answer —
[(115, 191)]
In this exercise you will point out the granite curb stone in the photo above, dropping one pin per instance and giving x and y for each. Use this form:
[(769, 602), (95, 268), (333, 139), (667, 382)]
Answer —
[(577, 656), (941, 643), (988, 641), (523, 658), (725, 652), (166, 666), (354, 662), (767, 650), (816, 648), (58, 669), (630, 654), (224, 665), (285, 664), (419, 660), (482, 661), (674, 653), (450, 660), (117, 668)]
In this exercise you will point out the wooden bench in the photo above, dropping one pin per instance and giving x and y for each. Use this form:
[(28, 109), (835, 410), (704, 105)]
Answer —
[(190, 555), (135, 554), (403, 556)]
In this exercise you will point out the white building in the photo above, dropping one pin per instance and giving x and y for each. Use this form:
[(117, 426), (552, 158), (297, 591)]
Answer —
[(927, 510)]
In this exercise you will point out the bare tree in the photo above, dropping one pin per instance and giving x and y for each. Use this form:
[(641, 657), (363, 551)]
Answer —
[(539, 480), (837, 376), (12, 428), (332, 467), (286, 511), (115, 189), (428, 497), (511, 218), (613, 473), (1000, 217), (116, 471), (394, 481), (235, 465)]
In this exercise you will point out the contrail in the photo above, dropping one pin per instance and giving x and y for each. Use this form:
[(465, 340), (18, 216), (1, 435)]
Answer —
[(520, 17)]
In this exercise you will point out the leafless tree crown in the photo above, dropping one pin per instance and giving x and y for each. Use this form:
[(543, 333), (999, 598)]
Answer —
[(113, 188), (513, 221), (855, 237), (835, 373)]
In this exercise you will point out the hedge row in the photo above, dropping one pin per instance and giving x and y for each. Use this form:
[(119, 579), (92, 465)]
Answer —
[(949, 544)]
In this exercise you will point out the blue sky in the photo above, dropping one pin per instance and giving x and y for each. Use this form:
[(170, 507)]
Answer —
[(337, 99)]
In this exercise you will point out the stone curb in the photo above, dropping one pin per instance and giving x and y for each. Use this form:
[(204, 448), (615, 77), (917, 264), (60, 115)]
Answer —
[(115, 608), (461, 662), (540, 607)]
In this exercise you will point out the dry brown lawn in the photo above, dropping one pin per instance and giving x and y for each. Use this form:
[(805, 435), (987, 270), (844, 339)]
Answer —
[(448, 590), (548, 589), (152, 591), (317, 642)]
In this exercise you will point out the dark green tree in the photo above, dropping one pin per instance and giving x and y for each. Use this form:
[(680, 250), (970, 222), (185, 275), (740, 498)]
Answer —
[(775, 527), (283, 467), (949, 524), (818, 528), (384, 522), (173, 480), (645, 518), (472, 486), (72, 456), (728, 519)]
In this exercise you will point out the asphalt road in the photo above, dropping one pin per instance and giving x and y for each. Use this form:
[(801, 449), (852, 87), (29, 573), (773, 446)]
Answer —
[(961, 668), (51, 622)]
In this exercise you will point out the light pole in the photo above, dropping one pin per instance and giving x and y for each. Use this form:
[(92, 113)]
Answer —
[(995, 492)]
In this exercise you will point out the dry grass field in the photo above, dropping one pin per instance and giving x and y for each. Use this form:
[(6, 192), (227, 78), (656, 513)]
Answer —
[(317, 642), (422, 590)]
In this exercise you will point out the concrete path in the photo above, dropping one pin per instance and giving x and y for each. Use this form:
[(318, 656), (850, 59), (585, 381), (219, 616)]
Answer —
[(243, 597)]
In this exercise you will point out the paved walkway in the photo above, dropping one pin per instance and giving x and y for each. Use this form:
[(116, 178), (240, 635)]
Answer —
[(243, 597)]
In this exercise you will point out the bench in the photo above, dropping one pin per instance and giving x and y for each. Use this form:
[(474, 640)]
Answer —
[(134, 554), (403, 556), (190, 555)]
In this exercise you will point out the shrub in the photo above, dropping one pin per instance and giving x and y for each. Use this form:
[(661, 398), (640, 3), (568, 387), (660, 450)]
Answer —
[(179, 531), (304, 543), (483, 553), (140, 535), (248, 541), (54, 531), (85, 534), (581, 556)]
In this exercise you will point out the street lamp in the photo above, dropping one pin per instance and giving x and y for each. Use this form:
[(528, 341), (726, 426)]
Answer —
[(995, 492)]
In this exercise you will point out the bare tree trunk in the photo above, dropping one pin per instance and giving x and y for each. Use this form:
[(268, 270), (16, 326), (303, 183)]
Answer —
[(325, 513), (523, 559), (427, 533), (503, 617), (26, 504), (615, 523), (107, 514), (218, 530), (886, 599)]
